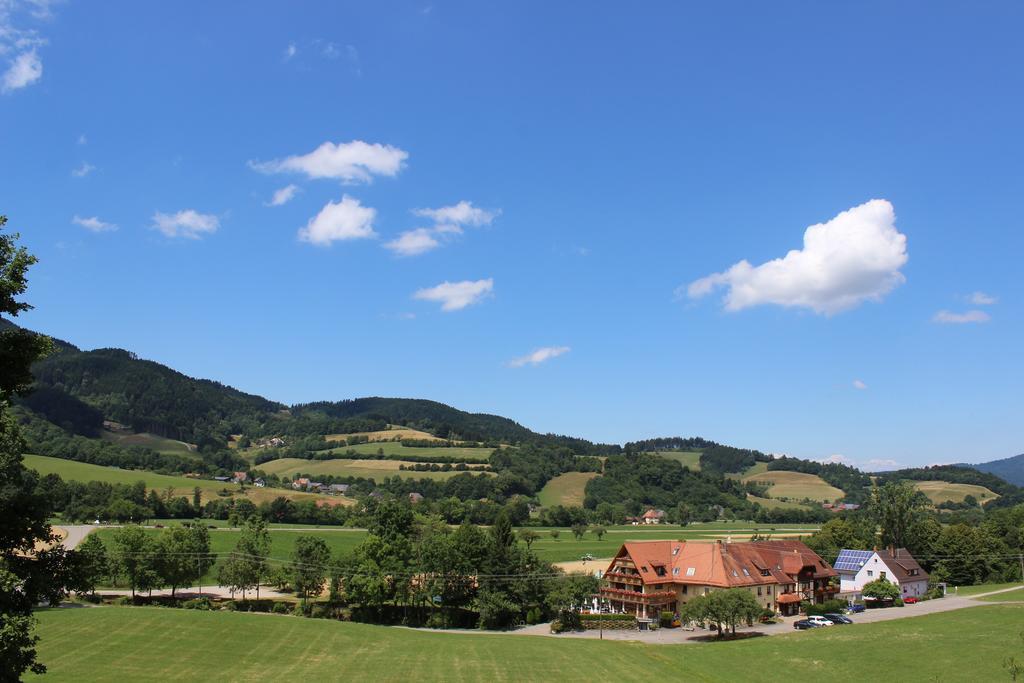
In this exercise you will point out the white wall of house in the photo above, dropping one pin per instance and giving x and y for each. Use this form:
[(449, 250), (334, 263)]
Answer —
[(874, 569)]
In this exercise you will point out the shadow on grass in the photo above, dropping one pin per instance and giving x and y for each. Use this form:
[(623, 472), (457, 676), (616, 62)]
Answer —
[(728, 637)]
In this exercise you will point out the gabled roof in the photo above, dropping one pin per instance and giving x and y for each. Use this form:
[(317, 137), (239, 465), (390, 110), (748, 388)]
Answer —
[(720, 564), (901, 563)]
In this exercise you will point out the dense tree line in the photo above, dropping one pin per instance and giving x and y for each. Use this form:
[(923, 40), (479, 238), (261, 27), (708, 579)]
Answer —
[(726, 459), (638, 481), (669, 443)]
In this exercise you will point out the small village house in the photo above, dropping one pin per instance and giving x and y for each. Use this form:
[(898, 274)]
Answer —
[(896, 565), (649, 577), (653, 516)]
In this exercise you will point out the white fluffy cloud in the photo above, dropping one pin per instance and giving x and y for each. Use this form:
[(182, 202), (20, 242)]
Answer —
[(538, 356), (880, 464), (94, 224), (850, 259), (413, 242), (448, 221), (344, 220), (454, 296), (951, 318), (457, 215), (350, 162), (284, 195), (859, 384), (982, 299), (85, 169), (22, 71), (187, 223)]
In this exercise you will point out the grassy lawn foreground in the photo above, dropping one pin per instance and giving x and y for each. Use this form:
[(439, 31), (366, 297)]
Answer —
[(107, 643)]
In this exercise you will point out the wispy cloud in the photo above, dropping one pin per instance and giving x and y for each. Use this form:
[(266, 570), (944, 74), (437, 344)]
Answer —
[(19, 46), (967, 317), (852, 258), (340, 221), (545, 353), (350, 162), (858, 384), (448, 221), (283, 196), (413, 242), (82, 140), (454, 296), (290, 51), (186, 223), (85, 169), (982, 299), (94, 224)]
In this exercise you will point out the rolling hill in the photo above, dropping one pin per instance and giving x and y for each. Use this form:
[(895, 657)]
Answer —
[(1010, 469)]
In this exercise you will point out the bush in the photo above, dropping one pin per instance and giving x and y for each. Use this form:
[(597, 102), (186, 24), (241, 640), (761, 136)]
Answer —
[(229, 606), (825, 607), (198, 603), (898, 602), (534, 616), (280, 608), (302, 610), (556, 626), (665, 619), (570, 620)]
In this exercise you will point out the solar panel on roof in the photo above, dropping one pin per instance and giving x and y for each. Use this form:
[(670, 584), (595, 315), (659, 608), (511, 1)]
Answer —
[(852, 560)]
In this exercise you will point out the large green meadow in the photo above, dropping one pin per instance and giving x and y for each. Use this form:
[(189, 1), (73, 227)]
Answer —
[(161, 644)]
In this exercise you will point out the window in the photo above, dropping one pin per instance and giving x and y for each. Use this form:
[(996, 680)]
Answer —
[(690, 571), (675, 551), (881, 574), (870, 573), (759, 590), (675, 571), (745, 572), (769, 590), (684, 589), (765, 572)]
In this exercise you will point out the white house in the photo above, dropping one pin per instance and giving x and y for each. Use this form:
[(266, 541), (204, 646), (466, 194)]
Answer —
[(859, 567)]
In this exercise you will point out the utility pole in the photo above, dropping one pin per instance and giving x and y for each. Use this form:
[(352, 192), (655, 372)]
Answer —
[(1021, 558)]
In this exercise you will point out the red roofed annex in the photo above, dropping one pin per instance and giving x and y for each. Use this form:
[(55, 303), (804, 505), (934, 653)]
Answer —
[(653, 576)]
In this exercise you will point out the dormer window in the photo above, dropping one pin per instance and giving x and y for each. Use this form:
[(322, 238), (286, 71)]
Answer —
[(690, 571), (745, 572)]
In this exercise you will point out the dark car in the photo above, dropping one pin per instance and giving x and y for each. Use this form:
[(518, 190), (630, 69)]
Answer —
[(804, 624), (854, 609), (838, 619)]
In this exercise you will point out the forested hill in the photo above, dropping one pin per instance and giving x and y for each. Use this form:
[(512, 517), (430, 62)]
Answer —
[(77, 390), (446, 422), (84, 388), (1010, 469)]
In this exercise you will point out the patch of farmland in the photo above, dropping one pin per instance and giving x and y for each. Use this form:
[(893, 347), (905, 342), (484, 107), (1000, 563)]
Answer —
[(688, 459), (367, 469), (565, 489), (795, 485), (944, 491)]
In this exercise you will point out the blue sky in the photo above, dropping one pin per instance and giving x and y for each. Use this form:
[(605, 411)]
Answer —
[(584, 176)]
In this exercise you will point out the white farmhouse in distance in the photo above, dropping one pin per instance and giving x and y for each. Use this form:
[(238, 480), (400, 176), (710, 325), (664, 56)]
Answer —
[(859, 567)]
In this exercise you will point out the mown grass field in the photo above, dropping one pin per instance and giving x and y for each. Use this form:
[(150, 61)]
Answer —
[(983, 588), (1009, 596), (565, 489), (690, 459), (943, 491), (368, 469), (795, 485), (392, 448), (155, 644), (71, 470)]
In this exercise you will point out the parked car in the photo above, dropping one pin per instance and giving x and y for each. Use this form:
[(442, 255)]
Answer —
[(804, 624), (854, 609), (838, 619), (819, 621), (910, 601)]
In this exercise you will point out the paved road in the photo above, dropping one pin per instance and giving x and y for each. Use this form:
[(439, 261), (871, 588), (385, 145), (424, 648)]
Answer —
[(76, 533), (677, 636)]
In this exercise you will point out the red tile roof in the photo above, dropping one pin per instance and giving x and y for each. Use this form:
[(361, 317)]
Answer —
[(724, 565)]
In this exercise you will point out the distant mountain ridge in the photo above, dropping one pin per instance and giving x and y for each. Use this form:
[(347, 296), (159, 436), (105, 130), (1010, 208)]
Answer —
[(1011, 469)]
